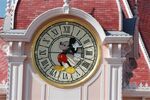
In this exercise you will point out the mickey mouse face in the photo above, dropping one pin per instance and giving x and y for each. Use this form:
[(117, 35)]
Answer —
[(64, 45)]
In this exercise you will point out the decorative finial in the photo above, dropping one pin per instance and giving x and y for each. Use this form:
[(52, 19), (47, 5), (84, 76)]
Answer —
[(66, 6)]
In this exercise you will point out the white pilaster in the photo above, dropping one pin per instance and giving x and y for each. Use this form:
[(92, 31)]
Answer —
[(115, 63), (16, 82), (16, 61)]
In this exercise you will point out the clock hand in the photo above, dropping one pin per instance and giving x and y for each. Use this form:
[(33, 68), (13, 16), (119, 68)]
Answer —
[(78, 56), (70, 59)]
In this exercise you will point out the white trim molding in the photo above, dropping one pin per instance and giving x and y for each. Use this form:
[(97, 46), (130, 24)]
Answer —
[(118, 37), (13, 13), (115, 62), (144, 51), (127, 7), (120, 14), (13, 35), (136, 93), (10, 14)]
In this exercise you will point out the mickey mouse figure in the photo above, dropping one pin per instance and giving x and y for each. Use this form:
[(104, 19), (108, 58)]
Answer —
[(67, 47)]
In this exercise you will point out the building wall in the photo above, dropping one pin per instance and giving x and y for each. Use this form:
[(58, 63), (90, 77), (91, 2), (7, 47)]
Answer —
[(105, 11), (102, 10), (143, 9)]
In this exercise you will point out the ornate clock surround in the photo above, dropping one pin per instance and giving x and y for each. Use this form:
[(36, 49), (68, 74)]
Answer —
[(89, 29)]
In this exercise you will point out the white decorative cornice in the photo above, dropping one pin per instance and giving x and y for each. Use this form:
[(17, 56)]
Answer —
[(118, 37), (14, 35), (120, 14), (16, 58), (8, 18), (141, 90), (144, 51), (127, 7), (10, 14), (117, 33), (135, 93), (13, 32), (115, 60)]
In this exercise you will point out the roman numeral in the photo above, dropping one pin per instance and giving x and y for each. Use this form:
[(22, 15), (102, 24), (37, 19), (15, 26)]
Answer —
[(53, 72), (66, 29), (44, 63), (90, 53), (42, 52), (85, 64), (65, 76), (54, 31), (45, 40), (78, 74), (78, 33), (86, 41)]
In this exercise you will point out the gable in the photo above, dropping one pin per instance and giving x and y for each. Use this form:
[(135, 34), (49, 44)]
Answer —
[(105, 11)]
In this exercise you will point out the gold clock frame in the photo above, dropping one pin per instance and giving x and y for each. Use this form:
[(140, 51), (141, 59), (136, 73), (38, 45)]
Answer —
[(72, 18)]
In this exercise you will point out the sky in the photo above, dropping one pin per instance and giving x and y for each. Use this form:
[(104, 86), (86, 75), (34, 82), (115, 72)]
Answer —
[(2, 8)]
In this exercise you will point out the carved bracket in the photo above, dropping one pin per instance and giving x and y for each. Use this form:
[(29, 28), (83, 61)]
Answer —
[(66, 6), (129, 65)]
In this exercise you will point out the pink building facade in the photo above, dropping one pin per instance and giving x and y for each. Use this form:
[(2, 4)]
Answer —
[(124, 72)]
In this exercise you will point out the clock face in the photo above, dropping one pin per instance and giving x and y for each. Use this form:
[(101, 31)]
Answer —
[(66, 52)]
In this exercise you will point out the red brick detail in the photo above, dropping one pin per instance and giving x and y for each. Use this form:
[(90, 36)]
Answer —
[(144, 22), (1, 22), (142, 73), (3, 63), (106, 11)]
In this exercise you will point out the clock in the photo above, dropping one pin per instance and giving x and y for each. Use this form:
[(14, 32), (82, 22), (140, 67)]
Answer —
[(66, 51)]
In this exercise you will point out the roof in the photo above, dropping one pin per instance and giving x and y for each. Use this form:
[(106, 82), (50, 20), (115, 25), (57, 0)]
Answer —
[(144, 22), (105, 11), (141, 75)]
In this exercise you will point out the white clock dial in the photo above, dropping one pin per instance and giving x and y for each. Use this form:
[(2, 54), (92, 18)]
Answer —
[(65, 52)]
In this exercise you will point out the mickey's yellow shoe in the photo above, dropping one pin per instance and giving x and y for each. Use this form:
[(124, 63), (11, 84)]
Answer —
[(70, 70), (59, 68)]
